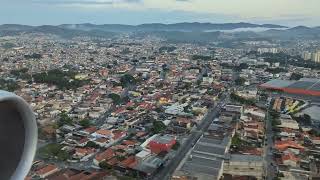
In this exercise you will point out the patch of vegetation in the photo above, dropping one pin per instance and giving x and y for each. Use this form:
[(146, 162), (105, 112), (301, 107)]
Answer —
[(21, 73), (115, 98), (241, 100), (53, 151), (104, 165), (92, 144), (241, 66), (167, 49), (176, 146), (158, 127), (127, 80), (64, 119), (201, 57), (85, 123), (33, 56), (240, 81), (236, 141), (285, 59), (276, 70), (296, 76), (62, 79), (8, 85), (8, 45)]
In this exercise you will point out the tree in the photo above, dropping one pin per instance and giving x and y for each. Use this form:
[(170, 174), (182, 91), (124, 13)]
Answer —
[(53, 150), (241, 66), (9, 85), (296, 76), (307, 118), (105, 165), (236, 141), (127, 80), (115, 98), (85, 123), (315, 133), (276, 70), (64, 119), (176, 146), (240, 81), (201, 57), (158, 127), (241, 100), (63, 155), (92, 144), (62, 79)]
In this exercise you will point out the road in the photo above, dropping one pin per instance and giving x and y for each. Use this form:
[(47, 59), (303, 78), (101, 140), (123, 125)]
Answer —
[(267, 156), (167, 171)]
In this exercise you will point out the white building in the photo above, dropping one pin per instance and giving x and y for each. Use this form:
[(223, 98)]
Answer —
[(288, 122)]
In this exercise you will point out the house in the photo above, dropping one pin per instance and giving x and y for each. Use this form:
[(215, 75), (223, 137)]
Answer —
[(287, 132), (290, 159), (234, 108), (315, 140), (128, 163), (47, 171), (244, 165), (82, 142), (255, 113), (102, 142), (183, 122), (287, 122), (142, 155), (104, 156), (283, 145), (162, 143), (103, 133), (81, 152)]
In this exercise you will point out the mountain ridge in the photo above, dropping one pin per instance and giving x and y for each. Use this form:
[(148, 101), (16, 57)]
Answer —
[(184, 26)]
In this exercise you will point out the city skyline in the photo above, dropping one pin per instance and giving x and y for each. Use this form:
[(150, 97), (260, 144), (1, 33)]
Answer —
[(133, 12)]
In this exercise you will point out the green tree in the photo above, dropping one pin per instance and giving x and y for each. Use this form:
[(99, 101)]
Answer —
[(241, 66), (296, 76), (115, 98), (64, 119), (53, 150), (236, 141), (158, 127), (240, 81), (127, 80), (176, 146), (104, 165), (241, 100), (92, 144), (201, 57), (63, 155), (85, 123), (307, 118)]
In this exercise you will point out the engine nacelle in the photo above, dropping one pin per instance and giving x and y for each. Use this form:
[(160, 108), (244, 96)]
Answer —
[(18, 136)]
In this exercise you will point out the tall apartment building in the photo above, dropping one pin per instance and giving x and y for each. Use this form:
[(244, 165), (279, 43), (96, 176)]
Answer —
[(306, 55), (267, 50), (316, 57)]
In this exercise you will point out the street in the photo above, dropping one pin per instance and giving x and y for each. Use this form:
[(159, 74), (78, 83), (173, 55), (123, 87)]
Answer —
[(167, 171), (268, 156)]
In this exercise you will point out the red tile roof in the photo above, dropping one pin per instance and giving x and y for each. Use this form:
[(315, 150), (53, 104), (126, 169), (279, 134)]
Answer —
[(105, 155), (130, 162), (289, 156), (46, 169)]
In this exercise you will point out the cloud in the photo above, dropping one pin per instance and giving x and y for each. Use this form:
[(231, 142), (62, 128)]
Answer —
[(135, 11)]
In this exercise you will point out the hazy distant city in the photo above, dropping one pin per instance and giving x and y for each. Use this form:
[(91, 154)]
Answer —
[(179, 101)]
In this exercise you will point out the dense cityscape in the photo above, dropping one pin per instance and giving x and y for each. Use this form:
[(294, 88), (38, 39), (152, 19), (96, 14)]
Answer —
[(133, 105)]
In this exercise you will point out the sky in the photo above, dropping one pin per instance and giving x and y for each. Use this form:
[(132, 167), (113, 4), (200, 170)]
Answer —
[(54, 12)]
